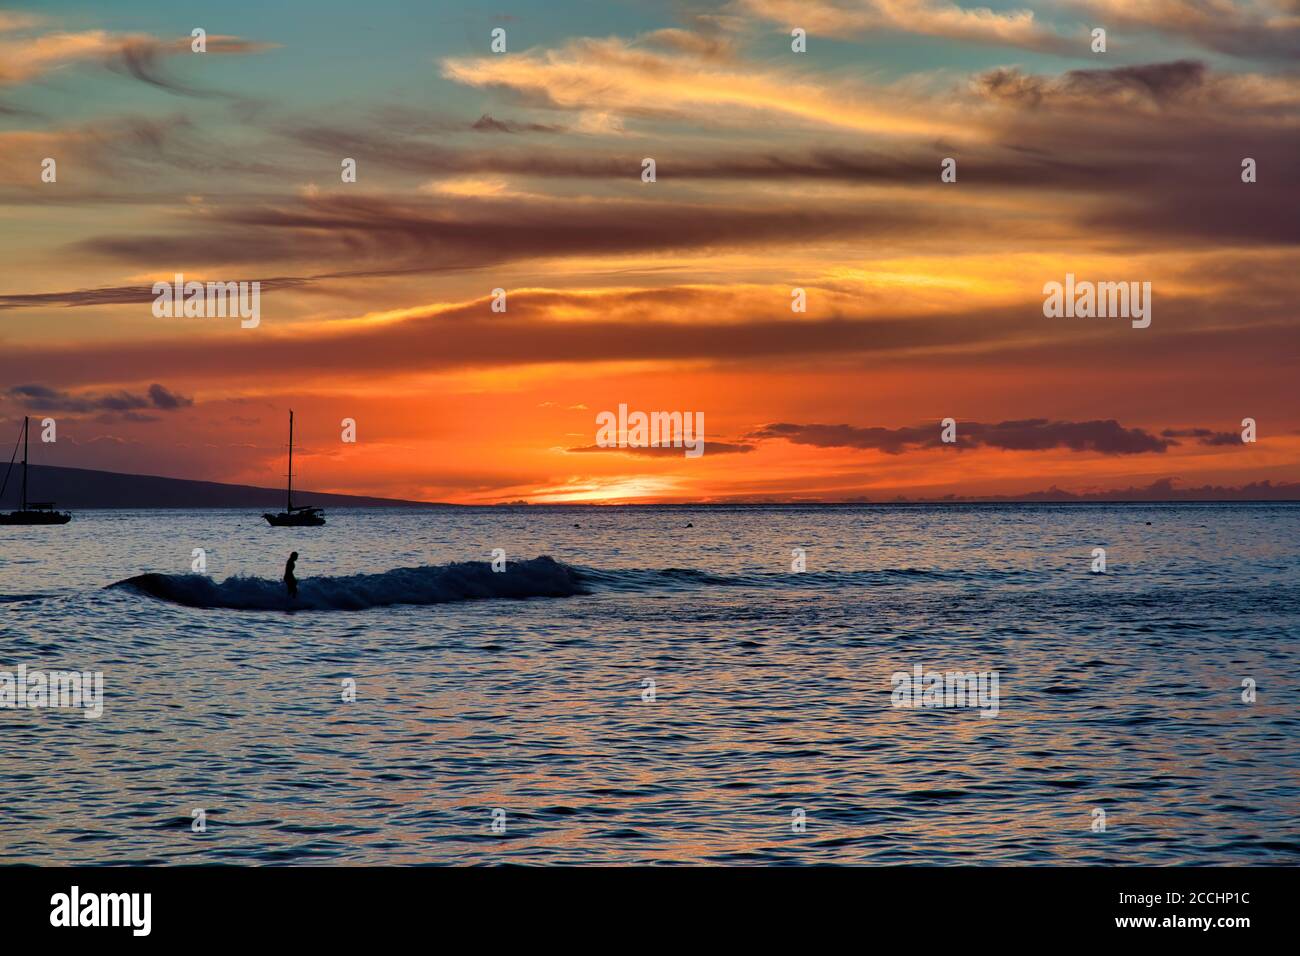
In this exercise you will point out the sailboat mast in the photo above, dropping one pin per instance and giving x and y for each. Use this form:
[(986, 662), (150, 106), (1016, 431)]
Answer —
[(289, 496), (25, 426)]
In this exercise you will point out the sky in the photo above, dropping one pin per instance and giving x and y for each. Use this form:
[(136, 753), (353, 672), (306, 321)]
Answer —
[(775, 170)]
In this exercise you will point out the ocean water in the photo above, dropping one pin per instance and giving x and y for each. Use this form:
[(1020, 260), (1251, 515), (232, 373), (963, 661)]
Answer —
[(772, 736)]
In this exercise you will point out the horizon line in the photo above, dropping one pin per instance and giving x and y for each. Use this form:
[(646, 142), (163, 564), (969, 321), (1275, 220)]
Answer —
[(1025, 498)]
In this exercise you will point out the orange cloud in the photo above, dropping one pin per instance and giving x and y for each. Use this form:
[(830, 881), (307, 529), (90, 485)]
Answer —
[(24, 58), (612, 76), (1015, 28)]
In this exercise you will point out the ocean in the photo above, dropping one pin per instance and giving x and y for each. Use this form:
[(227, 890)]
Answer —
[(663, 689)]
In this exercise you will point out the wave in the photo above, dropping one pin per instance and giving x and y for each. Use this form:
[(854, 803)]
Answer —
[(460, 581), (641, 579), (475, 580), (645, 579), (15, 598)]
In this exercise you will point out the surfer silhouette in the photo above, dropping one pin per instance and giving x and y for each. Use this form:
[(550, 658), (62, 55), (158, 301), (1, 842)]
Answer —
[(290, 581)]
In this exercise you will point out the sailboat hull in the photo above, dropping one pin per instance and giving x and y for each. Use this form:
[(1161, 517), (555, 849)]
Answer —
[(35, 517), (294, 520)]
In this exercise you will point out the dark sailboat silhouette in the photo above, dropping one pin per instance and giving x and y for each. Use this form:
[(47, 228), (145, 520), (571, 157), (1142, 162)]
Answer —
[(29, 512), (303, 516)]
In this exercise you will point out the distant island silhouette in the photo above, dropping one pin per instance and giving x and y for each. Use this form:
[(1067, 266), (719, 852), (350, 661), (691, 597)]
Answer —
[(87, 488)]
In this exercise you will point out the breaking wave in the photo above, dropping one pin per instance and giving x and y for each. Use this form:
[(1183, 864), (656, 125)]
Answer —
[(537, 577), (461, 581)]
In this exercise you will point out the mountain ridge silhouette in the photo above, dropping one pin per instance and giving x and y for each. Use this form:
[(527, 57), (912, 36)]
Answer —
[(90, 488)]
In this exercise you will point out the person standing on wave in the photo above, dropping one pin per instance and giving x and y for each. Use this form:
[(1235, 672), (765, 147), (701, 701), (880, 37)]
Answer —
[(290, 581)]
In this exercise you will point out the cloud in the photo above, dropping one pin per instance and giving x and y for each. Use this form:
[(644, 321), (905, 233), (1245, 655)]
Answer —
[(541, 327), (1164, 140), (1265, 29), (1155, 83), (711, 45), (459, 232), (127, 160), (935, 18), (122, 295), (167, 400), (1136, 105), (860, 323), (613, 76), (27, 57), (1161, 138), (668, 451), (1039, 434), (142, 58), (45, 399), (1204, 436), (135, 418), (1144, 123), (488, 124), (472, 186)]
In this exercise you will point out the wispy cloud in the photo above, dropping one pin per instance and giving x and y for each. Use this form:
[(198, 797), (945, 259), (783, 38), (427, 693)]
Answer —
[(1250, 28), (604, 76), (143, 57), (935, 18), (24, 58)]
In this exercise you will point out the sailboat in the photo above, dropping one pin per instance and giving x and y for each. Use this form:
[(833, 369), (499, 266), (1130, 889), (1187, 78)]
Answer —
[(302, 516), (30, 512)]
